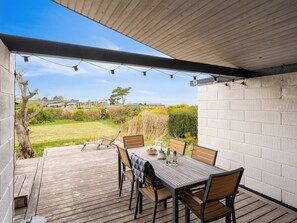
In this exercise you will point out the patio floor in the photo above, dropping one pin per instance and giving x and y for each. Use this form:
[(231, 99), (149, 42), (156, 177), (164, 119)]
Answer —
[(75, 186)]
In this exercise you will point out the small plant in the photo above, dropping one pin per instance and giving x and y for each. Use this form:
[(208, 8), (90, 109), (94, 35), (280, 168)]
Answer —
[(79, 115)]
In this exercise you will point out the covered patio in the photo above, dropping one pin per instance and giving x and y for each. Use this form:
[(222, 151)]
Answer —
[(247, 107)]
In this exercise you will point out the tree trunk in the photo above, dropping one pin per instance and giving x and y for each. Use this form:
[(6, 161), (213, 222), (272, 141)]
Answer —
[(22, 132)]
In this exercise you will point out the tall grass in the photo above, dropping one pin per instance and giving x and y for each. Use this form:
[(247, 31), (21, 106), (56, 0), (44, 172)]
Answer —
[(152, 126)]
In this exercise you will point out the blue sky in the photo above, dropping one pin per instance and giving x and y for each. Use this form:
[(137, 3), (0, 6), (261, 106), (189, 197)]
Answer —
[(47, 20)]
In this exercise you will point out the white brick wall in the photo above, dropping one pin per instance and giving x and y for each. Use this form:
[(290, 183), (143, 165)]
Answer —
[(254, 126), (7, 67)]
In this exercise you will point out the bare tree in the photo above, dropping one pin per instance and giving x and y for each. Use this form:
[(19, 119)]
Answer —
[(23, 117)]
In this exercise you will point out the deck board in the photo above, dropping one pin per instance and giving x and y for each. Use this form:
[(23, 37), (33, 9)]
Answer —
[(75, 186)]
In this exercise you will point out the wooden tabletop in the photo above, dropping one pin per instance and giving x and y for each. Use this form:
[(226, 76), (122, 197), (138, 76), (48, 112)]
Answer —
[(188, 171)]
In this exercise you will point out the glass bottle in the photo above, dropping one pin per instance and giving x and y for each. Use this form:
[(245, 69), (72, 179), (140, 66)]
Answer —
[(168, 157), (174, 157)]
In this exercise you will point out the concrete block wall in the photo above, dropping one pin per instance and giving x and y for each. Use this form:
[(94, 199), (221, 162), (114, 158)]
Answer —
[(7, 67), (254, 126)]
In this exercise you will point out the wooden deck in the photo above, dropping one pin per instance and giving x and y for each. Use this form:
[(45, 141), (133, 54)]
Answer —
[(75, 186)]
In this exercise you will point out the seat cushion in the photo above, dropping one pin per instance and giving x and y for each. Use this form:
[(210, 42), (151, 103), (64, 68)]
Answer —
[(163, 193), (213, 210)]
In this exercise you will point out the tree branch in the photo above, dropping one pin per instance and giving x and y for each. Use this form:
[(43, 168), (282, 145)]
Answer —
[(33, 114)]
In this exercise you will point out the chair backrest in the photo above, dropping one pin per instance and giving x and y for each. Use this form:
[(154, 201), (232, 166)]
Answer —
[(133, 141), (204, 155), (143, 170), (179, 145), (116, 136), (150, 178), (125, 157), (222, 185)]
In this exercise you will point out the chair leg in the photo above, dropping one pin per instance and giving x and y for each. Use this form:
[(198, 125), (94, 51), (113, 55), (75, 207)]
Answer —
[(233, 216), (228, 218), (131, 195), (165, 204), (155, 212), (137, 203), (121, 185), (187, 214)]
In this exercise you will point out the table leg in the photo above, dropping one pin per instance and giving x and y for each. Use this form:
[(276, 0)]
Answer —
[(119, 169), (175, 207)]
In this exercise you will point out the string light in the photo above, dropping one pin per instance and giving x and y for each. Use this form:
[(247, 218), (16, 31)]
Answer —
[(144, 72), (26, 58), (75, 68)]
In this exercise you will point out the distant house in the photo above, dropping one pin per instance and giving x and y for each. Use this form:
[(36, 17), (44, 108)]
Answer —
[(54, 103), (153, 105), (72, 104)]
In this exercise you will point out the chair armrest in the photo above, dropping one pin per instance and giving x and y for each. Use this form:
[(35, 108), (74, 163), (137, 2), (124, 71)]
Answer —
[(197, 199)]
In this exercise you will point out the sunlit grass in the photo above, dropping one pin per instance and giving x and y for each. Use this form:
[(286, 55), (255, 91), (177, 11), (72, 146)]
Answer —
[(65, 133)]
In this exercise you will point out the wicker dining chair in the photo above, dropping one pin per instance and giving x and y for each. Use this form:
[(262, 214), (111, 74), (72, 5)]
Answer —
[(126, 172), (207, 204), (178, 145), (133, 141), (204, 155), (152, 189)]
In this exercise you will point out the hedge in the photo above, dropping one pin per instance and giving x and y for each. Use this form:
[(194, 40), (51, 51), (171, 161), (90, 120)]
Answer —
[(183, 122)]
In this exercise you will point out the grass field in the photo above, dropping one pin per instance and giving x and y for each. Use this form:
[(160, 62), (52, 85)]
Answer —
[(67, 132), (64, 133)]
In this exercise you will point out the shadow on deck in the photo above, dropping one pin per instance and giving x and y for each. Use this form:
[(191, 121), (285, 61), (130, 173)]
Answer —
[(75, 186)]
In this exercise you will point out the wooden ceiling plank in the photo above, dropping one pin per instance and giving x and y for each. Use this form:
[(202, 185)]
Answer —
[(187, 23), (94, 8), (79, 5), (134, 15), (156, 16), (64, 3), (257, 42), (176, 17), (102, 10), (111, 9), (87, 7), (236, 29), (247, 39), (267, 58), (207, 33), (123, 16), (71, 4), (120, 9), (145, 14)]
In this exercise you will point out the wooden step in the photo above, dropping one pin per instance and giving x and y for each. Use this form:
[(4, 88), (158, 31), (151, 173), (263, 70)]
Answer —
[(22, 189)]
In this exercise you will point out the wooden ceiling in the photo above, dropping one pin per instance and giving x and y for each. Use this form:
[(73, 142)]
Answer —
[(235, 33)]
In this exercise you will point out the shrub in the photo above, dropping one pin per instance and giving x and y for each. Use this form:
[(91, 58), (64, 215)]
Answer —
[(160, 111), (116, 111), (183, 121), (173, 108), (93, 114), (151, 125), (104, 113), (132, 111), (79, 115)]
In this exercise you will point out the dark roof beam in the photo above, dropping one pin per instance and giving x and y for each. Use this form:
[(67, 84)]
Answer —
[(50, 48)]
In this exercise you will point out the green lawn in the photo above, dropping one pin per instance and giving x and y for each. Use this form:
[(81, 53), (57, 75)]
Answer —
[(67, 132), (64, 133)]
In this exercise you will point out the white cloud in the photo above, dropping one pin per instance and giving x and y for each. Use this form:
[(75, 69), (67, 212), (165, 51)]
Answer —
[(102, 42), (101, 81)]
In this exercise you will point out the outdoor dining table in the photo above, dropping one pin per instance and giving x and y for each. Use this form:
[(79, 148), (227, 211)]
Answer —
[(187, 174)]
